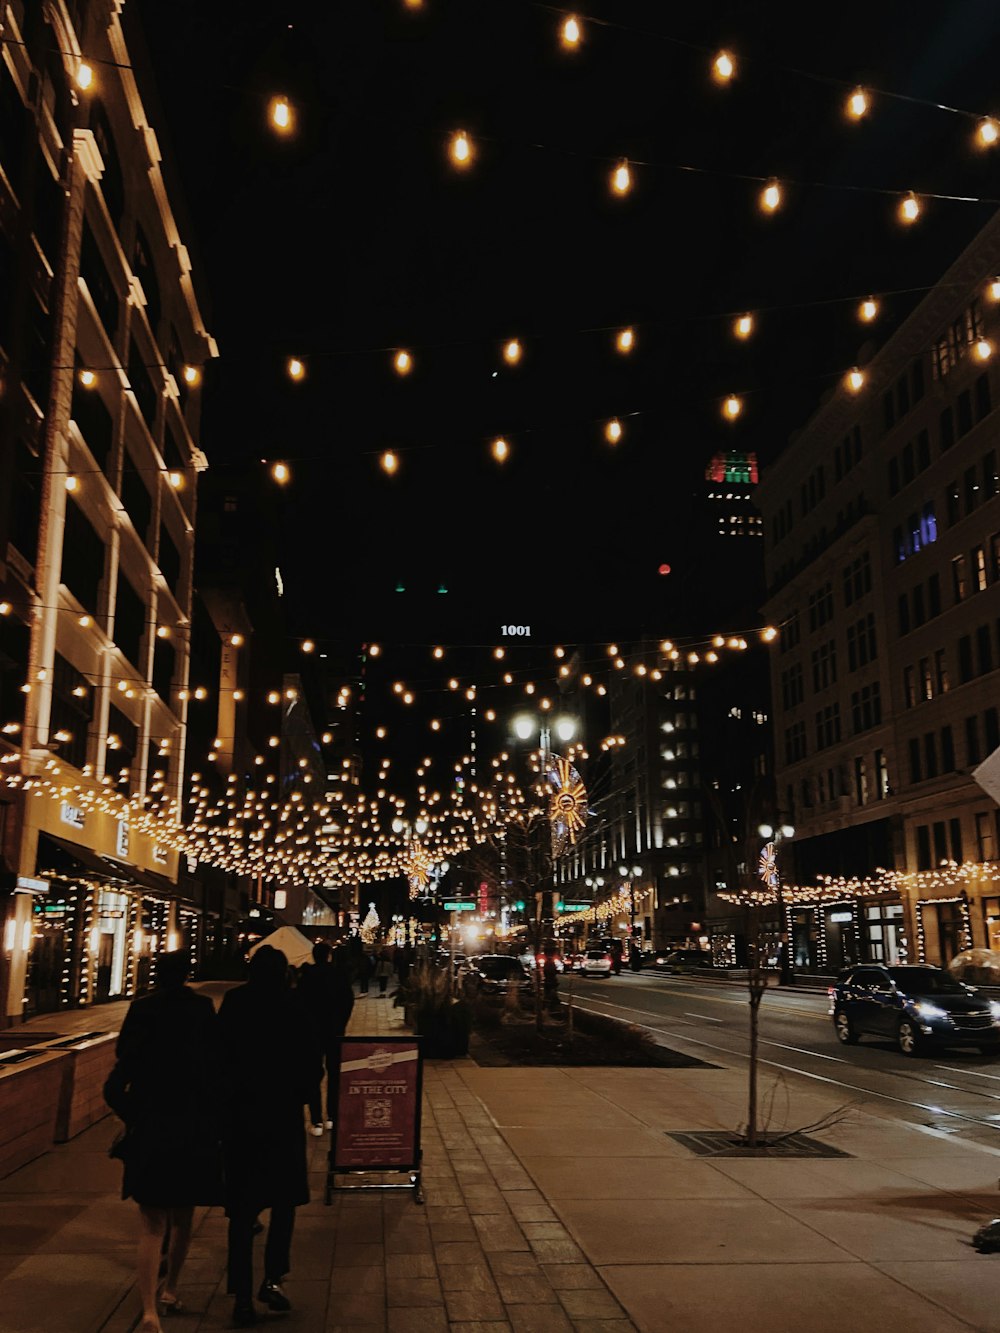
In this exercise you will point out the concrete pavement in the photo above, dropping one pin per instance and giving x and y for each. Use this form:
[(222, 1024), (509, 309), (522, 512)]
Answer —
[(557, 1201)]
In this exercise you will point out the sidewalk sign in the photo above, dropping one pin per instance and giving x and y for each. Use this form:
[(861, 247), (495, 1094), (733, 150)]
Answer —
[(376, 1120)]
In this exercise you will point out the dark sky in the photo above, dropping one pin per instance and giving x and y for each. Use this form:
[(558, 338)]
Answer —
[(356, 236)]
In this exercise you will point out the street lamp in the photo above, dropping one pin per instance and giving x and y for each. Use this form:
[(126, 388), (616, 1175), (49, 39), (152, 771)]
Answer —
[(525, 727), (775, 836), (629, 877)]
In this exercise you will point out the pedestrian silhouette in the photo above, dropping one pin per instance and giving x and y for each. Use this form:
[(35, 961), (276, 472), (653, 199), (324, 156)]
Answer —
[(164, 1086), (271, 1067), (326, 990)]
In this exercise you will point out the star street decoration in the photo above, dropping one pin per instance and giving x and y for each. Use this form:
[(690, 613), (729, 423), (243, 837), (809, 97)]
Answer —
[(768, 866), (567, 803)]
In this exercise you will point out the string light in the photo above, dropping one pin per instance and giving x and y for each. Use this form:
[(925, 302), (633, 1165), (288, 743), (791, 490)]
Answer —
[(868, 310), (87, 378), (732, 407), (296, 368), (281, 115), (500, 449), (909, 208), (855, 380), (570, 33), (460, 149), (374, 650), (987, 132), (770, 196), (192, 375), (993, 290), (625, 340), (402, 362), (72, 482), (743, 326), (512, 352), (84, 77), (389, 462), (281, 473), (613, 431), (858, 104), (621, 178), (723, 67), (308, 646)]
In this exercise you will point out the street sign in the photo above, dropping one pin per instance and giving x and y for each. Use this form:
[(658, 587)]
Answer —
[(576, 907), (459, 907)]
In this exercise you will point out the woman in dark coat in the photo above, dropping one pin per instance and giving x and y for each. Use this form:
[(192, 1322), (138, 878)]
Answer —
[(165, 1088), (271, 1064), (326, 990)]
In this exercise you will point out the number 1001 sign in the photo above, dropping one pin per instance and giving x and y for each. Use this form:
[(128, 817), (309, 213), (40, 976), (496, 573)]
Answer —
[(516, 631)]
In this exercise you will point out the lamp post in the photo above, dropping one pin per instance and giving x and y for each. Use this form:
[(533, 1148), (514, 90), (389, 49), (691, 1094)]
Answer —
[(525, 727), (775, 836), (629, 878)]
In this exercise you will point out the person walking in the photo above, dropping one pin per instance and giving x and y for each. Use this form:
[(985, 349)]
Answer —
[(366, 966), (164, 1086), (271, 1066), (326, 989), (383, 971)]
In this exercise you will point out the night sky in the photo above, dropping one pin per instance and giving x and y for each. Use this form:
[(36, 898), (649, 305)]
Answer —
[(357, 236)]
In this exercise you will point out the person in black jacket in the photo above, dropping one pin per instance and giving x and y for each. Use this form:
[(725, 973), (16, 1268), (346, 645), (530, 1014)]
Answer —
[(164, 1087), (271, 1064), (325, 987)]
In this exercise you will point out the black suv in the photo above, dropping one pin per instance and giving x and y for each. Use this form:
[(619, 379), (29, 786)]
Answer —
[(915, 1006)]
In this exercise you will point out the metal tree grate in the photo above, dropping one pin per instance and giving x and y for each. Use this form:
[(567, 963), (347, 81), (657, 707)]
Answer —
[(724, 1143)]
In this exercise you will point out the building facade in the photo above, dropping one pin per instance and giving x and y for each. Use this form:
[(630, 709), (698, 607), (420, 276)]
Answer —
[(882, 557), (102, 349)]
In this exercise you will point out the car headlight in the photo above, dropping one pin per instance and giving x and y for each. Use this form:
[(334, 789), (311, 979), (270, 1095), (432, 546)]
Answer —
[(926, 1010), (995, 1010)]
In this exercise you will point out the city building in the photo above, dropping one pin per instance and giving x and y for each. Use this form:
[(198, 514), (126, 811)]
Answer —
[(732, 479), (102, 353), (882, 554)]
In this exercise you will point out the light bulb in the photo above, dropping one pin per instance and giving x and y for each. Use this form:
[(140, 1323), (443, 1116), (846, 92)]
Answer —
[(402, 362), (72, 483), (743, 326), (500, 449), (389, 462), (192, 375), (987, 132), (570, 33), (993, 289), (280, 472), (87, 378), (723, 67), (868, 310), (983, 349), (296, 369), (374, 649), (84, 77), (176, 480), (613, 431), (732, 407), (855, 380), (625, 340), (770, 196), (460, 149), (621, 178), (512, 352), (281, 114), (858, 104), (162, 632), (909, 208)]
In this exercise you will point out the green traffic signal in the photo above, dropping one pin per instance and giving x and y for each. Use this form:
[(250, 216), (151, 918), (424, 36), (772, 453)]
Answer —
[(520, 904)]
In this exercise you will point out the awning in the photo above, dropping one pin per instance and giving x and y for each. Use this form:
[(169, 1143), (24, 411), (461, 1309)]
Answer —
[(58, 856)]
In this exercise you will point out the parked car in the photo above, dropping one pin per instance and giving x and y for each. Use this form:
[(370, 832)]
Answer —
[(915, 1006), (597, 963), (682, 960), (494, 974), (574, 962)]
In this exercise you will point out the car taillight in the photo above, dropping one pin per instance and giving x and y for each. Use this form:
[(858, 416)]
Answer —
[(831, 991)]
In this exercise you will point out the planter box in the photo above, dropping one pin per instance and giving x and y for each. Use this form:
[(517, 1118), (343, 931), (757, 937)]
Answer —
[(31, 1082), (81, 1098)]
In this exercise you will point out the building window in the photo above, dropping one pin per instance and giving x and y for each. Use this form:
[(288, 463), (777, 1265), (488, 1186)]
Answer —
[(827, 726), (986, 837), (934, 594), (947, 750), (824, 665), (926, 679), (940, 842), (904, 613), (991, 729), (960, 578), (977, 558), (909, 687), (955, 833), (866, 707), (924, 847), (970, 488), (972, 751), (930, 755), (820, 607), (984, 650), (791, 686), (946, 429), (914, 754), (991, 481), (795, 743), (881, 776), (862, 646), (860, 780), (940, 672)]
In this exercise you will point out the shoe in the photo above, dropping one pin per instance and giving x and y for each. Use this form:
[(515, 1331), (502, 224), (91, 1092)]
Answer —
[(328, 1124), (273, 1297), (244, 1315), (316, 1130)]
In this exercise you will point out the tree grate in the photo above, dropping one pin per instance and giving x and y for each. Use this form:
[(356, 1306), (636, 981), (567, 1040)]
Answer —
[(724, 1143)]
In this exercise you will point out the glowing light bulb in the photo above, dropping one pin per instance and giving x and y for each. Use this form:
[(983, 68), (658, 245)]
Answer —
[(570, 33), (374, 649), (983, 349), (402, 362), (281, 114), (621, 178), (389, 462), (460, 149), (858, 104), (512, 352), (613, 431), (625, 340), (72, 483), (732, 407), (296, 369), (438, 653), (868, 310), (723, 67), (176, 480), (85, 622), (909, 208), (500, 449), (987, 132), (770, 196), (855, 380), (743, 326), (993, 290), (280, 473), (769, 634), (84, 77), (87, 378), (163, 632), (192, 375)]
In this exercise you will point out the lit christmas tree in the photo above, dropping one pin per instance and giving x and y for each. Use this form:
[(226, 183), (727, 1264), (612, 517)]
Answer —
[(370, 925)]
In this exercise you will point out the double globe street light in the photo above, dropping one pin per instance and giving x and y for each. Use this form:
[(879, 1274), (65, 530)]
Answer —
[(526, 726), (775, 835)]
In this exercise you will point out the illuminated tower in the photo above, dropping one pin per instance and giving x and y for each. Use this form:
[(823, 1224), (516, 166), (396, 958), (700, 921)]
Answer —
[(732, 480)]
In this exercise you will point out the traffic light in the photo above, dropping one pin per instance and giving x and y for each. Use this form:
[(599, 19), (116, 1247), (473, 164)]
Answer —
[(520, 904)]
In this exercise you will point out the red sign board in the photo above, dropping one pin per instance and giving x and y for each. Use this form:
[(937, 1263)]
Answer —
[(377, 1125)]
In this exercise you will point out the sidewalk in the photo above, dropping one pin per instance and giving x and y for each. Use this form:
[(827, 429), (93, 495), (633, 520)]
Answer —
[(556, 1202)]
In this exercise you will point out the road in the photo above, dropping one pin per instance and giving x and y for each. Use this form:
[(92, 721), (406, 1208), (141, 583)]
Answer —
[(957, 1091)]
